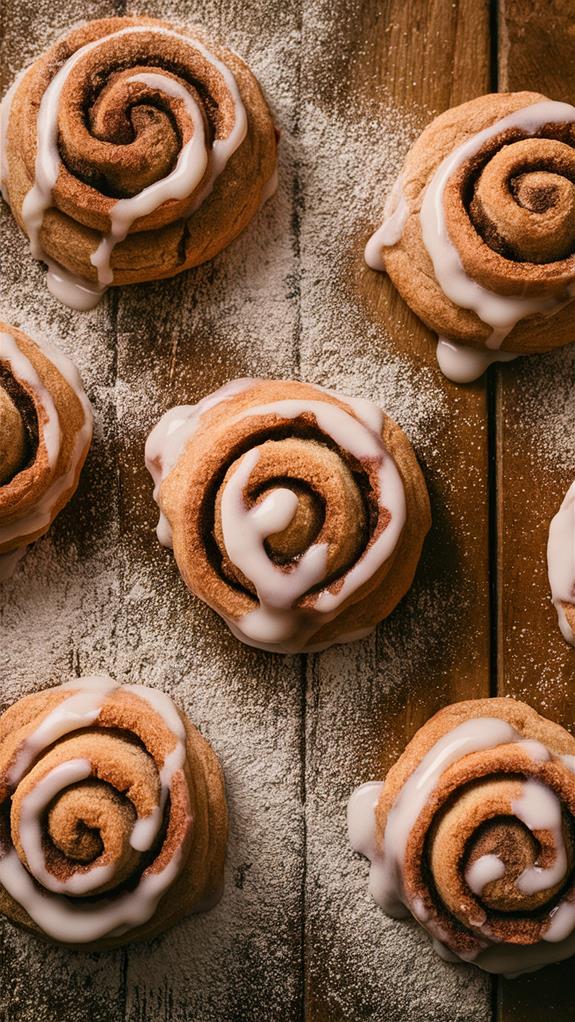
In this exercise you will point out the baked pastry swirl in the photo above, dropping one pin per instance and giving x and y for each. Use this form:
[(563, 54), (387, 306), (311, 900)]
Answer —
[(479, 237), (473, 833), (113, 822), (561, 564), (45, 434), (296, 513), (134, 150)]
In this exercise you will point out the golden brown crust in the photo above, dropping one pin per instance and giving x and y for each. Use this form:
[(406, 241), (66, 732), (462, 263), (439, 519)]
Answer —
[(569, 611), (334, 500), (127, 746), (509, 212), (471, 813), (33, 478), (128, 145)]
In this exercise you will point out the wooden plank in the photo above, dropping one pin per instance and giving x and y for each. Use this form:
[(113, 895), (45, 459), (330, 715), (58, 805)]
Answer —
[(237, 316), (536, 464), (373, 83), (55, 615)]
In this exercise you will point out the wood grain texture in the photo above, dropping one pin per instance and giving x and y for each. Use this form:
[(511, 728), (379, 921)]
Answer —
[(536, 465), (296, 936), (364, 702)]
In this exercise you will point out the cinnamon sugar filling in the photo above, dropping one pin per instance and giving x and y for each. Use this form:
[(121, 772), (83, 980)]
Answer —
[(26, 450), (286, 549)]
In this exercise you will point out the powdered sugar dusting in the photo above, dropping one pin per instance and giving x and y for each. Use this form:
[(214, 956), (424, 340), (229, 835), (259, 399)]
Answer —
[(99, 595)]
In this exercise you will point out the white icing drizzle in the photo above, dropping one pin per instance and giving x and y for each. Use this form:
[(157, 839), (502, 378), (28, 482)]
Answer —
[(168, 439), (245, 530), (461, 363), (483, 871), (91, 921), (536, 750), (182, 181), (23, 371), (386, 869), (30, 830), (30, 521), (75, 292), (82, 925), (276, 623), (395, 214), (500, 312), (561, 560), (538, 808), (193, 166)]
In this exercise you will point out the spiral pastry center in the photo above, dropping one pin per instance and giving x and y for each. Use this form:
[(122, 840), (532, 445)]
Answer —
[(332, 513), (319, 503), (524, 201), (155, 130), (478, 841), (12, 437), (90, 785)]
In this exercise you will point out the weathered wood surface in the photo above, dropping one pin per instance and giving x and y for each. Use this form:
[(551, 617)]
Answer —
[(535, 432), (296, 935)]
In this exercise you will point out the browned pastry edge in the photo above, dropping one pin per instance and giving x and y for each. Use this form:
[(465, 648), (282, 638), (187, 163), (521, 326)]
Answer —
[(172, 238), (199, 883), (189, 494), (467, 806), (409, 265), (23, 491)]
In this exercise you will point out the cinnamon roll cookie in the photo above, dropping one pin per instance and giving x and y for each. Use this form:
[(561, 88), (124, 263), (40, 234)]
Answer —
[(473, 833), (296, 513), (114, 822), (561, 564), (45, 434), (134, 149), (479, 234)]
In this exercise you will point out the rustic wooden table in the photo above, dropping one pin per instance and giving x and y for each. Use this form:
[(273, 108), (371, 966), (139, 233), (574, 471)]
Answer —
[(351, 83)]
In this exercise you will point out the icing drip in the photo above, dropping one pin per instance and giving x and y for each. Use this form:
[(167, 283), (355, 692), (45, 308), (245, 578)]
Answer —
[(500, 312), (31, 521), (538, 808), (36, 888), (395, 213), (277, 622), (275, 589), (193, 167), (463, 364), (561, 560)]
